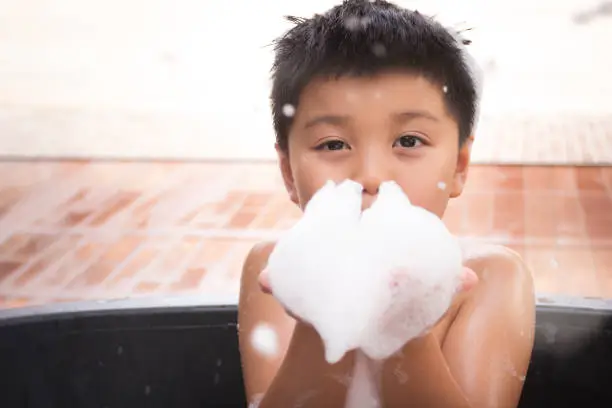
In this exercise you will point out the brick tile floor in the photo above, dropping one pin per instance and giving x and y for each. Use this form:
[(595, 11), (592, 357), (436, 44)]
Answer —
[(99, 230)]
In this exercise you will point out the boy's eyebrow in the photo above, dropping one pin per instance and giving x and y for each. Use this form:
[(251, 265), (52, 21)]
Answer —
[(326, 119), (418, 114), (340, 119)]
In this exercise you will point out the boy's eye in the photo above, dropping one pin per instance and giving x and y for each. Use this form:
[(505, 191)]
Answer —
[(332, 145), (409, 141)]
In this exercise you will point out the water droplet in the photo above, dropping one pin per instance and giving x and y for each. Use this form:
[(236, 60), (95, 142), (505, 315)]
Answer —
[(550, 333), (119, 350), (445, 89), (553, 263), (217, 378), (401, 375), (510, 367), (343, 379), (304, 398), (288, 110), (147, 390), (265, 340), (351, 23), (379, 50), (354, 23), (442, 185), (219, 362)]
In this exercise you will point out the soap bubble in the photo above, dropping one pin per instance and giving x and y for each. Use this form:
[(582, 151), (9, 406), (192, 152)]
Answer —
[(288, 110), (265, 340), (379, 50), (442, 185)]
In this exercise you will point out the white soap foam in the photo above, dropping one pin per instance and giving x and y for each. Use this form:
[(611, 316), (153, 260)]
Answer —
[(389, 258), (265, 340), (256, 401), (313, 263), (364, 391), (415, 285)]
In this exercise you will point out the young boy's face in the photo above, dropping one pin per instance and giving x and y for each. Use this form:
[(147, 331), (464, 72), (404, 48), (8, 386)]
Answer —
[(393, 126)]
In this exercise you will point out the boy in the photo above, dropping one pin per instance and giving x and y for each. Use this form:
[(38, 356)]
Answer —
[(373, 92)]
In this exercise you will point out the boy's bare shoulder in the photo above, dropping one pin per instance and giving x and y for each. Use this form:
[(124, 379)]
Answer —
[(501, 271), (498, 268), (495, 262)]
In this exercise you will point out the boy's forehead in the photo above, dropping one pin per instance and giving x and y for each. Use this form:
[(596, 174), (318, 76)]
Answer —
[(394, 90)]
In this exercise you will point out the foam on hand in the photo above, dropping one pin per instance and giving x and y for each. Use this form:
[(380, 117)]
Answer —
[(418, 265), (311, 265), (370, 281)]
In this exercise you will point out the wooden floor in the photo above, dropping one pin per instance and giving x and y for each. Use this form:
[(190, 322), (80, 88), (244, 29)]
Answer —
[(93, 230)]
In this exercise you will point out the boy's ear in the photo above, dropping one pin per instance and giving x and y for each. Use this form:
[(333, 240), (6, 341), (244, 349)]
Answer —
[(463, 165), (285, 168)]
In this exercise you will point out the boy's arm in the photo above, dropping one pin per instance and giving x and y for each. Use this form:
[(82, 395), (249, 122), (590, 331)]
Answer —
[(304, 379), (256, 308), (481, 363), (485, 354), (489, 345)]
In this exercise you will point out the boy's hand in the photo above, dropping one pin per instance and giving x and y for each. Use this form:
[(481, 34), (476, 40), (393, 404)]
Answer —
[(264, 284), (469, 279)]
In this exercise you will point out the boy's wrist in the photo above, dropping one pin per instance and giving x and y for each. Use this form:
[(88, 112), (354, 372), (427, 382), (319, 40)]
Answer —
[(423, 364), (305, 372)]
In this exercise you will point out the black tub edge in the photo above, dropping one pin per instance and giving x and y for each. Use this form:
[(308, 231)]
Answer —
[(185, 303)]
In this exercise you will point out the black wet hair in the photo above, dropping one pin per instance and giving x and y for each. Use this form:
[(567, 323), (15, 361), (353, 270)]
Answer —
[(363, 38)]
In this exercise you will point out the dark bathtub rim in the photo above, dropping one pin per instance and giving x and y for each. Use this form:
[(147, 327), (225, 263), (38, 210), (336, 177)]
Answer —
[(198, 303)]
